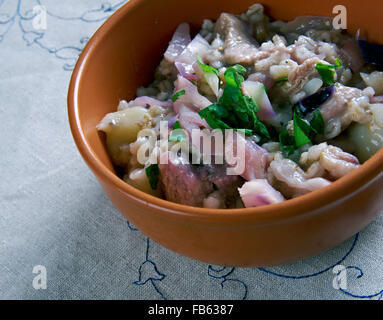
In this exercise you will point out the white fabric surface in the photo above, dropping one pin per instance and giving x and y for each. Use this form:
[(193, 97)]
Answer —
[(54, 213)]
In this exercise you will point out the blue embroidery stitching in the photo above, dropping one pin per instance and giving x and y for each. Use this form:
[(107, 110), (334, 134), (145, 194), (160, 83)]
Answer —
[(366, 296), (131, 227), (155, 274), (224, 277), (69, 54), (316, 273)]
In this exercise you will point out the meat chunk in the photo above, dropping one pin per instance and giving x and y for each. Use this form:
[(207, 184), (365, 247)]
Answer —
[(346, 105), (270, 54), (306, 48), (238, 45), (264, 78), (332, 159), (286, 176), (302, 73), (258, 193), (224, 183), (338, 103), (182, 184), (297, 61), (191, 185)]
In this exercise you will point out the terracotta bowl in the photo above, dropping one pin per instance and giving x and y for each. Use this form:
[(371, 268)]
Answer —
[(122, 56)]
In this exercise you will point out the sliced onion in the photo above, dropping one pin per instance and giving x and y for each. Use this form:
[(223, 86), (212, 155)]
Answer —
[(192, 98), (172, 121), (257, 91), (186, 60), (179, 42), (258, 193), (186, 70), (210, 78)]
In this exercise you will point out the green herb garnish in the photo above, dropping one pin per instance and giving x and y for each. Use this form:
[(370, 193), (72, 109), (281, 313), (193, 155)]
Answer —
[(234, 110), (206, 68), (304, 131), (317, 122), (327, 71), (177, 135), (177, 95), (287, 142), (282, 80), (153, 173), (301, 131)]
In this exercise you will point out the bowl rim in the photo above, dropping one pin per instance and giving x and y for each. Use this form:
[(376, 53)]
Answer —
[(293, 208)]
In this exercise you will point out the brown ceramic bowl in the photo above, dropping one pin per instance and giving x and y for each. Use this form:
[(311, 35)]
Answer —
[(122, 56)]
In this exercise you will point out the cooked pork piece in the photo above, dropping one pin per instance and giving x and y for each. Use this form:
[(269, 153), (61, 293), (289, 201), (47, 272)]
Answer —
[(346, 105), (286, 176), (239, 47), (189, 184), (332, 159)]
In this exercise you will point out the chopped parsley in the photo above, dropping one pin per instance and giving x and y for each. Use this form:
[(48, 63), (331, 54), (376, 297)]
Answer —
[(206, 68), (282, 80), (234, 110), (327, 71), (177, 95), (301, 131), (210, 76), (304, 131), (177, 135), (153, 173), (317, 122), (287, 142)]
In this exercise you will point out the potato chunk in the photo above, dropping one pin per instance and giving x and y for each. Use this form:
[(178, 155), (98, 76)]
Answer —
[(374, 80), (121, 128), (367, 140)]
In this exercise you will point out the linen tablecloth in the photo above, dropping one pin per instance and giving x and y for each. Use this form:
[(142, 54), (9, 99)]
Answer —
[(56, 222)]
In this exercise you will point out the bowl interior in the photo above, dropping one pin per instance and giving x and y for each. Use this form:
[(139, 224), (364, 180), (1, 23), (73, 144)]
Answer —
[(124, 53)]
